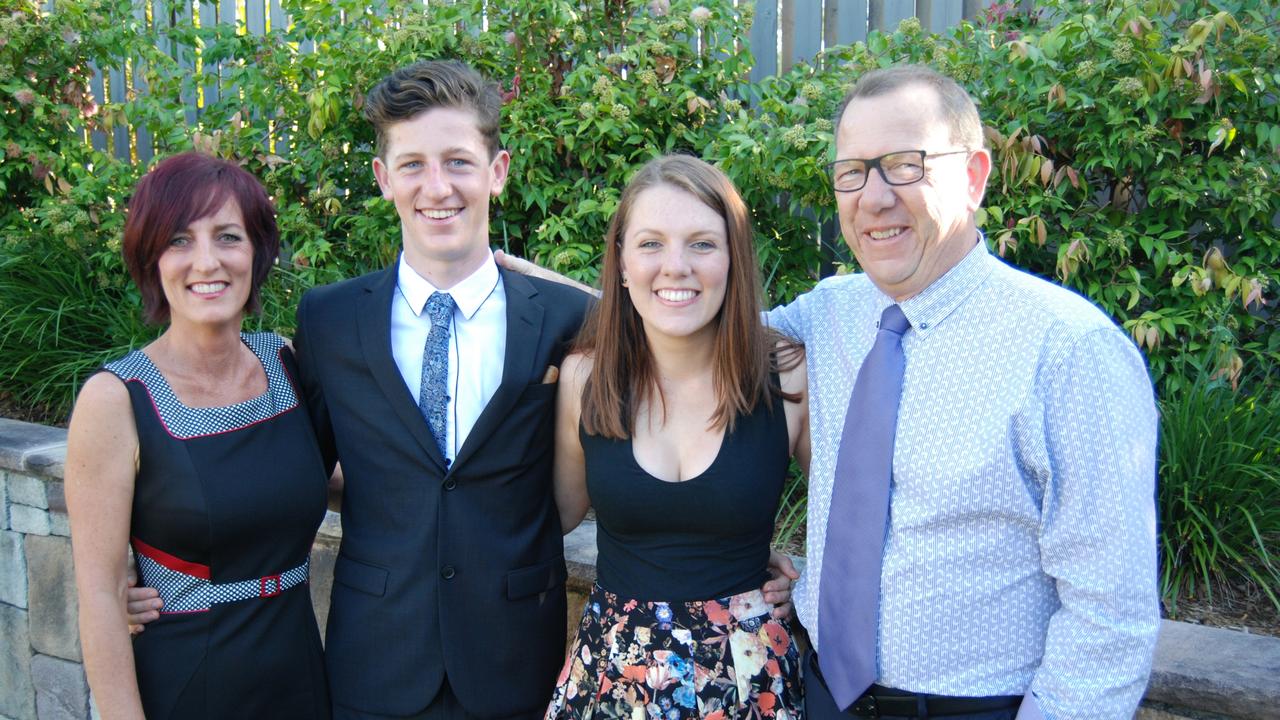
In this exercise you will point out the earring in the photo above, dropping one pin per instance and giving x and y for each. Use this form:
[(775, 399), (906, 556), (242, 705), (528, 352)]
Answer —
[(625, 279)]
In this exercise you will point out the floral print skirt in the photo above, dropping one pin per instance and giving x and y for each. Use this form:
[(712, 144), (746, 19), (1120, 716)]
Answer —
[(724, 659)]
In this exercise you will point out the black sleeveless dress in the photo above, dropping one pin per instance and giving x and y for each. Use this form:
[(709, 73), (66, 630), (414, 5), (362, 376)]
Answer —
[(225, 507), (676, 626)]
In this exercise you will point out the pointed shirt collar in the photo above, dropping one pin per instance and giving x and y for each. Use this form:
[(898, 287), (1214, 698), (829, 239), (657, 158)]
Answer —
[(468, 295), (928, 309)]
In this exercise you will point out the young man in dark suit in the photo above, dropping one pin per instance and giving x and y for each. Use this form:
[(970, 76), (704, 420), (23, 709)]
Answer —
[(433, 383)]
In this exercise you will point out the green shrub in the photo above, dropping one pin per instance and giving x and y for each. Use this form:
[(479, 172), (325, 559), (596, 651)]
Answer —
[(1219, 486)]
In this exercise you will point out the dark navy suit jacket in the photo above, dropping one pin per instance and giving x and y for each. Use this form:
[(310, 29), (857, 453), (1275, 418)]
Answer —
[(457, 571)]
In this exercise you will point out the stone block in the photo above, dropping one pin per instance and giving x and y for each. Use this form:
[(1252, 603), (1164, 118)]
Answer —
[(324, 552), (4, 500), (19, 439), (29, 520), (27, 490), (1216, 671), (49, 461), (61, 690), (1164, 712), (331, 526), (13, 570), (53, 603), (59, 524), (17, 696), (57, 496)]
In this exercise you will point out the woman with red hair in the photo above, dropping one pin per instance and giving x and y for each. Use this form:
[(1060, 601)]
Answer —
[(197, 451)]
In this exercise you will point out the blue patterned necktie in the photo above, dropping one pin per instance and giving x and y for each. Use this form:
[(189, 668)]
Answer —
[(433, 397), (849, 593)]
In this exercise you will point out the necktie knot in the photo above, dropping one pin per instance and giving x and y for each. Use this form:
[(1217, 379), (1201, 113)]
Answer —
[(894, 320), (439, 308)]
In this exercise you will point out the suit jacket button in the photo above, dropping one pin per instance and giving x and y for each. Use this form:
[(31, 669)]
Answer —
[(447, 572), (450, 484)]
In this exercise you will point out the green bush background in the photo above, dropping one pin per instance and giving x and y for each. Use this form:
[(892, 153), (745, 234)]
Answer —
[(1136, 148)]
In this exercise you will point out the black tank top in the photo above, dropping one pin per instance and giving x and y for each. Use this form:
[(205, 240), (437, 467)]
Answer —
[(704, 538)]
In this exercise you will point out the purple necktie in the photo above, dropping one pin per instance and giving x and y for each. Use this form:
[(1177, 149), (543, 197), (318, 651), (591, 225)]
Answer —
[(849, 594)]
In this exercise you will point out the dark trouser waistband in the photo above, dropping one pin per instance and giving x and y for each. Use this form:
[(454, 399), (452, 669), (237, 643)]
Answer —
[(880, 701)]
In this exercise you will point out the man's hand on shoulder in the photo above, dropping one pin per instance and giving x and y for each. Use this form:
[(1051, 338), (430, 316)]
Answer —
[(524, 267)]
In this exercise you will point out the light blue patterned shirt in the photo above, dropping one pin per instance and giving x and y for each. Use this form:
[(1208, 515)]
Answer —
[(1021, 549)]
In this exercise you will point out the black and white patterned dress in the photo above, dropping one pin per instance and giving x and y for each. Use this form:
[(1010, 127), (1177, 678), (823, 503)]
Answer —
[(225, 507)]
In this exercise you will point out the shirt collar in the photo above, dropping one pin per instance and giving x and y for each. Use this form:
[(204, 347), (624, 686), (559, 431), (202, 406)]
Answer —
[(468, 295), (932, 305)]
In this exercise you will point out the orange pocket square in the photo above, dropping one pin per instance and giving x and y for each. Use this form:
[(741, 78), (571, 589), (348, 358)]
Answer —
[(552, 374)]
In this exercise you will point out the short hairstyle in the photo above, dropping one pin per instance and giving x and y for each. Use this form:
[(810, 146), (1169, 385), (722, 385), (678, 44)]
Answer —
[(955, 105), (622, 374), (429, 84), (177, 192)]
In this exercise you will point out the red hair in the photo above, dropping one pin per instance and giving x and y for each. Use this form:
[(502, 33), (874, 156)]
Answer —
[(177, 192)]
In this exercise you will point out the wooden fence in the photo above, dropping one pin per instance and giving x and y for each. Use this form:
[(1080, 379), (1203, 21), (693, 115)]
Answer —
[(785, 32)]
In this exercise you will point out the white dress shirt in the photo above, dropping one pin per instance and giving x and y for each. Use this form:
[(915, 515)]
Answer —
[(477, 341)]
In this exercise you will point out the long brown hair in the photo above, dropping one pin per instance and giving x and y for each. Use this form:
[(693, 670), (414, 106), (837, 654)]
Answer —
[(622, 375)]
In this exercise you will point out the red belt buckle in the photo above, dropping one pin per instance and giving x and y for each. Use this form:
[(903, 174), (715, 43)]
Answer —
[(269, 586)]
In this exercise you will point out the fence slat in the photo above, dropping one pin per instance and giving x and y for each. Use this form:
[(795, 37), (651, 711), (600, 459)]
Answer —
[(119, 133), (208, 19), (946, 14), (279, 20), (764, 40), (139, 83), (807, 31), (98, 137), (255, 16), (851, 21), (895, 11), (227, 16)]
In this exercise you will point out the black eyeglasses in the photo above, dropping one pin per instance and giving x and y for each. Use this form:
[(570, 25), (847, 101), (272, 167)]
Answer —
[(896, 168)]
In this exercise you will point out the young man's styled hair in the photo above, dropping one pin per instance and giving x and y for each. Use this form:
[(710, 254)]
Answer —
[(956, 107), (622, 372), (177, 192), (429, 84)]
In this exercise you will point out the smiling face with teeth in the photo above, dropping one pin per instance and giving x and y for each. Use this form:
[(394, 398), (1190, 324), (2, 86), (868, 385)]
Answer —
[(437, 169), (905, 237), (675, 257), (207, 270)]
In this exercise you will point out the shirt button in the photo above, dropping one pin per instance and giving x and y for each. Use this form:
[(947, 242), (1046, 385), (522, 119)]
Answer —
[(450, 484), (447, 572)]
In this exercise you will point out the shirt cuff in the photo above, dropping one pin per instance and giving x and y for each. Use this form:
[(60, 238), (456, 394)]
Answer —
[(1029, 709)]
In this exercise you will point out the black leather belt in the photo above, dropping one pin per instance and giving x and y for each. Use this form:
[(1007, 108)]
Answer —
[(877, 702), (880, 701)]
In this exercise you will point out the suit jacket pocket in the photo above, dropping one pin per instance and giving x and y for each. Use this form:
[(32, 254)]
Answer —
[(536, 579), (366, 578)]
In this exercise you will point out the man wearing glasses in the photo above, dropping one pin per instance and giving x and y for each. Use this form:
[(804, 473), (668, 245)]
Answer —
[(981, 537)]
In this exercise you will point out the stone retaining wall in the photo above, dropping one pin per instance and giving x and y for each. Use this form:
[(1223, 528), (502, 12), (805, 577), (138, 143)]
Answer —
[(1200, 673)]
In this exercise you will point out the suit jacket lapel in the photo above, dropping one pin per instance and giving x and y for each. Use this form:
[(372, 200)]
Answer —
[(524, 329), (373, 318)]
